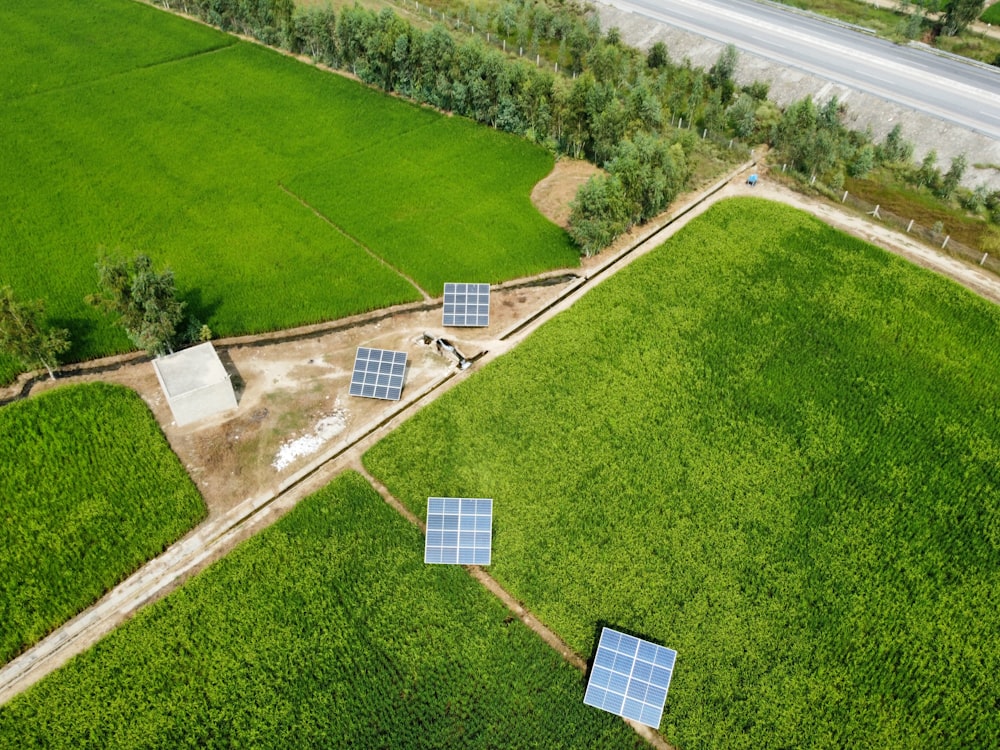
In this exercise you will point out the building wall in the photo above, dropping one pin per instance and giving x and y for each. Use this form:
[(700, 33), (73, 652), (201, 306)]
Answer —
[(202, 403)]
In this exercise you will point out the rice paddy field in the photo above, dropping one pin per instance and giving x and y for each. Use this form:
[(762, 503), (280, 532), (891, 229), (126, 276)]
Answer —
[(90, 490), (276, 192), (325, 630), (771, 447)]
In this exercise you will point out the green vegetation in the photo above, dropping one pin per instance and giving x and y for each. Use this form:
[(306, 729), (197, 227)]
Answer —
[(192, 155), (769, 446), (91, 491), (144, 300), (325, 630), (24, 335), (991, 15)]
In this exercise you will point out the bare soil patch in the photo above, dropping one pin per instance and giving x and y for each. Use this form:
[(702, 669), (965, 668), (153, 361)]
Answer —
[(553, 194), (293, 387)]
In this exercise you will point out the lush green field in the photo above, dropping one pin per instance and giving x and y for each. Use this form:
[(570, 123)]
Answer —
[(90, 490), (771, 447), (326, 630), (991, 15), (187, 152)]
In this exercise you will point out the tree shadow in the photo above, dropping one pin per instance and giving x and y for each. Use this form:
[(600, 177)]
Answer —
[(239, 385), (197, 307)]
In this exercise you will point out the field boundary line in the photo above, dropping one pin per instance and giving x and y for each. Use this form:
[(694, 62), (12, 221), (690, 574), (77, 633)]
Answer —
[(355, 240), (121, 73), (493, 586)]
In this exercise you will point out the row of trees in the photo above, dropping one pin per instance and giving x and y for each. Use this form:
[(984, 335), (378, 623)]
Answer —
[(616, 101), (813, 141), (144, 300)]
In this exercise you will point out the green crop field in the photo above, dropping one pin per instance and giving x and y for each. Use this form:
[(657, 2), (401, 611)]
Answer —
[(326, 630), (90, 491), (767, 445), (130, 130)]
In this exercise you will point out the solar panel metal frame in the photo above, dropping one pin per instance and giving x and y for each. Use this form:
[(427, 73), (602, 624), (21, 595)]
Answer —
[(459, 531), (462, 312), (630, 677), (378, 373)]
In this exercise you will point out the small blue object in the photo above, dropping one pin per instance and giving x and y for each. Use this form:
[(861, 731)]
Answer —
[(752, 180), (630, 677), (378, 373), (466, 305), (459, 530)]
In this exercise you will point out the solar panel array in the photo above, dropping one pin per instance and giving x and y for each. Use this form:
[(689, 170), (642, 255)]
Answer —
[(630, 677), (466, 304), (459, 530), (378, 373)]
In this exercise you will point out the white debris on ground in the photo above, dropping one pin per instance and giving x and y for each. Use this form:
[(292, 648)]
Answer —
[(325, 429)]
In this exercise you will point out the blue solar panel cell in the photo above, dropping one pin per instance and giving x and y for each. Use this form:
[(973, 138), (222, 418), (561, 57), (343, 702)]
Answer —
[(459, 530), (630, 677), (642, 670), (466, 305), (378, 373), (650, 716)]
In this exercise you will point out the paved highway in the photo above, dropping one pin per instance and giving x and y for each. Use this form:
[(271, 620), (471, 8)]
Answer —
[(959, 92)]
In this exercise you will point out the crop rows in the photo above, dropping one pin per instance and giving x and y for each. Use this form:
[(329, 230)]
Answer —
[(326, 630), (90, 490), (771, 447), (201, 155)]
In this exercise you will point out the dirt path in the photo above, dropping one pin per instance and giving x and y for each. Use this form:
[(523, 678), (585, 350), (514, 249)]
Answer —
[(292, 381)]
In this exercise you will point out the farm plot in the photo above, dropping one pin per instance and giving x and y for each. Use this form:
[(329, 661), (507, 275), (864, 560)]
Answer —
[(326, 630), (193, 160), (771, 447), (90, 490)]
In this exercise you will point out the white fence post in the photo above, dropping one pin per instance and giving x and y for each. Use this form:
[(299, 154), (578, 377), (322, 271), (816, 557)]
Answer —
[(909, 226), (945, 243), (985, 256), (875, 212), (844, 198)]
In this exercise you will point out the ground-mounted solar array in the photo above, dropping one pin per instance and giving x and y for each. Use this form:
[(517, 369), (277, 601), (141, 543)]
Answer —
[(630, 677), (466, 305), (459, 530), (378, 373)]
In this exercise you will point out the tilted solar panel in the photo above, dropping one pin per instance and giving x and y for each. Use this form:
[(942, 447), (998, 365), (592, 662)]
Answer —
[(378, 373), (630, 677), (459, 530), (466, 305)]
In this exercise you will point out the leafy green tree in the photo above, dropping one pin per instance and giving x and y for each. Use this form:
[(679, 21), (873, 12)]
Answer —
[(651, 173), (24, 336), (949, 183), (895, 149), (720, 75), (863, 162), (599, 213), (657, 58), (144, 300), (927, 174), (958, 14), (741, 116)]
